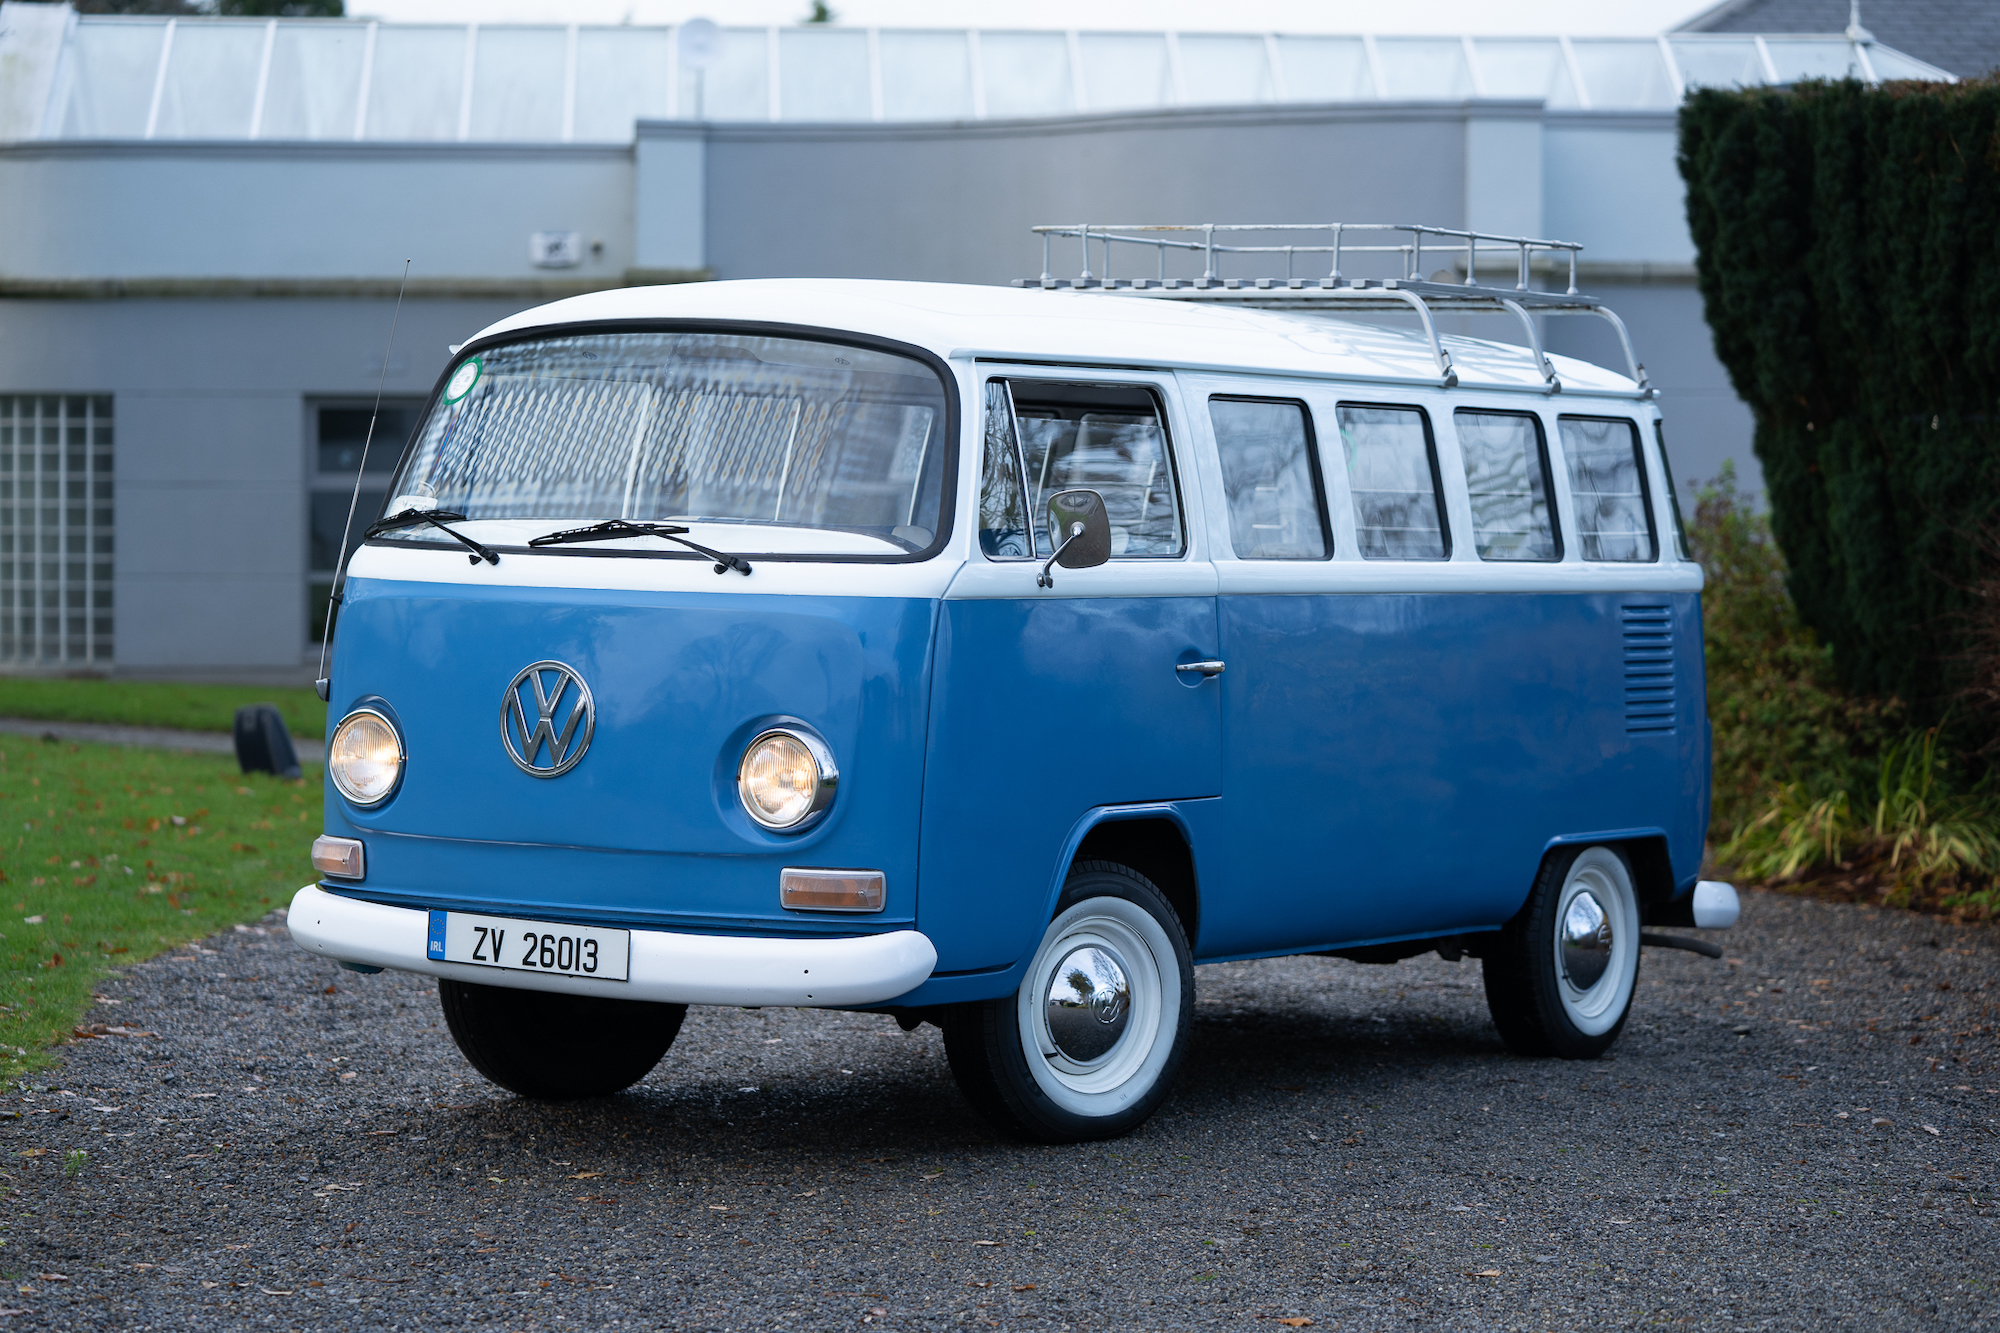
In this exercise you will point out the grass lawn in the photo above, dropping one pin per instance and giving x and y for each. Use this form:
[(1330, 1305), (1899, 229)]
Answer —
[(139, 703), (121, 853)]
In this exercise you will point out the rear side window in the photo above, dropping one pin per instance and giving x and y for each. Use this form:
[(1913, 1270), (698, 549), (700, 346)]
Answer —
[(1108, 438), (1673, 496), (1269, 479), (1607, 479), (1392, 471), (1507, 476)]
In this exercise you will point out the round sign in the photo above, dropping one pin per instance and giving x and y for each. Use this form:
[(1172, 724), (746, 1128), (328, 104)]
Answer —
[(700, 43), (462, 380)]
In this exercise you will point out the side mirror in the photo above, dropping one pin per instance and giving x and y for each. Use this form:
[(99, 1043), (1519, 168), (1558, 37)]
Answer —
[(1081, 530)]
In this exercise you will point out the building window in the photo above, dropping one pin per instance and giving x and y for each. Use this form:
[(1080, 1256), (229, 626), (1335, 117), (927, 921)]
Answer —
[(339, 431), (55, 530)]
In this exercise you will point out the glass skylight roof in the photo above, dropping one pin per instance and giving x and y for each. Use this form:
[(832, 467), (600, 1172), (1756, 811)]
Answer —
[(137, 78)]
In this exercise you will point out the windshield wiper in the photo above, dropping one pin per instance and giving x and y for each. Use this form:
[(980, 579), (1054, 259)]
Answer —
[(437, 518), (613, 528)]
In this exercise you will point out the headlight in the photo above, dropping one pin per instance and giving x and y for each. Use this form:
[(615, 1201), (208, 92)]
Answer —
[(365, 759), (786, 780)]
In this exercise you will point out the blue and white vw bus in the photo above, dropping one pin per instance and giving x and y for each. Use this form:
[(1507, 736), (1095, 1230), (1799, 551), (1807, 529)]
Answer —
[(990, 657)]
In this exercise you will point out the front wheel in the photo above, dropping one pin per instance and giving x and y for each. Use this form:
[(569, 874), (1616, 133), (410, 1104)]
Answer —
[(1088, 1047), (1561, 977), (556, 1047)]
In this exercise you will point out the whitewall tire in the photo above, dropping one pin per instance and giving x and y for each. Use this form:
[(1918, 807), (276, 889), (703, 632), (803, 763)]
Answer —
[(1561, 976), (1089, 1044)]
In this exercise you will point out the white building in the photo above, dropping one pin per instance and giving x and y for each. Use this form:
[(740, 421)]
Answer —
[(203, 224)]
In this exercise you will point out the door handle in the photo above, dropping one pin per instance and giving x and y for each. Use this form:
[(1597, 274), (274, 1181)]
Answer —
[(1204, 668)]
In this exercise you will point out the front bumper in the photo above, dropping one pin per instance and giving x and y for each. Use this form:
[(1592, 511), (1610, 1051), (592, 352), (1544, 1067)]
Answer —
[(666, 967)]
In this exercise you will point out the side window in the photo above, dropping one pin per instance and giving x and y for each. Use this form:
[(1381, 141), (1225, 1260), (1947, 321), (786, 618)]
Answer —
[(1269, 479), (1673, 495), (1507, 474), (1109, 438), (1607, 479), (1003, 530), (1392, 470)]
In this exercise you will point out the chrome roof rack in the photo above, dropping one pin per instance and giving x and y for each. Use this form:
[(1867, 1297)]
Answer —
[(1402, 248)]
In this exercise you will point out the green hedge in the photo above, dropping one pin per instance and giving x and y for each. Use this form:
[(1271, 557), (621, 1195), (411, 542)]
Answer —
[(1848, 246)]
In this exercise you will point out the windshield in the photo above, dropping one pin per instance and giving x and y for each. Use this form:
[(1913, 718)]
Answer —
[(802, 447)]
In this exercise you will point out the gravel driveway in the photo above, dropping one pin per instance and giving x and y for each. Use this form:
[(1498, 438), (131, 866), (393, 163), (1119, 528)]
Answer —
[(1801, 1137)]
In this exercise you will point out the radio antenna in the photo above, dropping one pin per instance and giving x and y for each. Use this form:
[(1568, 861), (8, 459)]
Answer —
[(323, 683)]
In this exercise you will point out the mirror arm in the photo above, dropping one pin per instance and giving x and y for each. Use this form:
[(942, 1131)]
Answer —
[(1045, 579)]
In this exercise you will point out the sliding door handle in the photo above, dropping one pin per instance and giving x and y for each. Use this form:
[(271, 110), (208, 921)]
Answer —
[(1200, 668)]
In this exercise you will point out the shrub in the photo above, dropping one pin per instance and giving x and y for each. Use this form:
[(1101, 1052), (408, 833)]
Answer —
[(1781, 719), (1848, 271), (1810, 780)]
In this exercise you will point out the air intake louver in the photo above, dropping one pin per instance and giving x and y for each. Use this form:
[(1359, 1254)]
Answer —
[(1649, 669)]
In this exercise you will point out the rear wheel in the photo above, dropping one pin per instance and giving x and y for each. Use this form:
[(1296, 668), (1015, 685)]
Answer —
[(1560, 979), (555, 1047), (1089, 1045)]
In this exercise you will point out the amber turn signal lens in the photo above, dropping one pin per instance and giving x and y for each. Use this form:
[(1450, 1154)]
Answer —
[(832, 890), (340, 857)]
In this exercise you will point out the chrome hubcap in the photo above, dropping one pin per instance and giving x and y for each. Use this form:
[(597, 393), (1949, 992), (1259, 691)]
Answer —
[(1089, 1001), (1586, 941)]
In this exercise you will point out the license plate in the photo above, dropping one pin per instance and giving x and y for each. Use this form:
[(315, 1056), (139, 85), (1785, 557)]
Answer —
[(530, 946)]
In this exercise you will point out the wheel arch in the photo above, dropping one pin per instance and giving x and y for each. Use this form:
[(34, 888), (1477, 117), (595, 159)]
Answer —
[(1151, 839), (1645, 851)]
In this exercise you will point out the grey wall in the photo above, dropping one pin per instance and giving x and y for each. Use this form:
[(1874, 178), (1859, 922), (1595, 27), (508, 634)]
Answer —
[(954, 203), (264, 210), (210, 445)]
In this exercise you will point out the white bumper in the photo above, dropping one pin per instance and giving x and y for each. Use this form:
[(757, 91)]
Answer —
[(667, 967), (1716, 905)]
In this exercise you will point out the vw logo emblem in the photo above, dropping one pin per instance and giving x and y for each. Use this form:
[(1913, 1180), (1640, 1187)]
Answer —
[(546, 717)]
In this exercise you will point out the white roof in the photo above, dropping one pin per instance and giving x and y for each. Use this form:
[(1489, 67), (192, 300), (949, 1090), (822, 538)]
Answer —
[(954, 320)]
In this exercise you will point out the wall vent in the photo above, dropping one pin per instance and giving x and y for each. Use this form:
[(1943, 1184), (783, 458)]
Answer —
[(1649, 669)]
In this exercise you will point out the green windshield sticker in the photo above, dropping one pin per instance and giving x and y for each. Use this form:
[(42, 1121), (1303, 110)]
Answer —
[(462, 381)]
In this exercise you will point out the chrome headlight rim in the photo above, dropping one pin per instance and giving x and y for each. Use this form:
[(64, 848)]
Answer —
[(402, 757), (823, 793)]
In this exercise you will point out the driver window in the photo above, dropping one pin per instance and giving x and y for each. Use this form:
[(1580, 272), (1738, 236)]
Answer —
[(1107, 438)]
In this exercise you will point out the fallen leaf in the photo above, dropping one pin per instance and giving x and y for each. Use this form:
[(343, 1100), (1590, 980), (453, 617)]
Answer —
[(33, 1152), (1929, 1129), (1299, 1321), (986, 1242), (1022, 1286), (282, 1291), (1485, 1272), (52, 1277), (586, 1175)]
